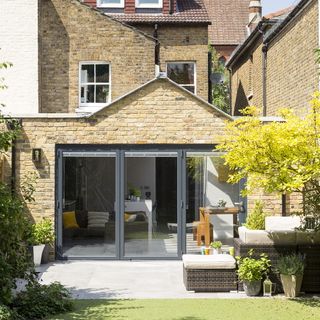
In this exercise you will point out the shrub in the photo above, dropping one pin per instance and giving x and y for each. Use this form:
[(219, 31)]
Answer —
[(15, 261), (43, 232), (291, 264), (39, 301), (5, 313), (252, 269), (256, 219), (216, 244)]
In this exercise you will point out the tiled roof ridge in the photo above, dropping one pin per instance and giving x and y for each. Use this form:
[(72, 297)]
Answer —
[(189, 11), (113, 19), (279, 13)]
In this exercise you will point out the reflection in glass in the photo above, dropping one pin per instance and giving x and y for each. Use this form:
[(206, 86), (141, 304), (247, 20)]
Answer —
[(181, 73), (88, 207), (87, 73), (207, 186), (150, 217)]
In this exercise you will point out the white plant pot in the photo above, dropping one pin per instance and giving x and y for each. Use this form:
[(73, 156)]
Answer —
[(217, 251), (37, 254)]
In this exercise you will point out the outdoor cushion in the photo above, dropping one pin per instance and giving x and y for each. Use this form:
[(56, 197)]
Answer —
[(69, 220), (214, 261), (266, 237), (282, 223), (97, 219)]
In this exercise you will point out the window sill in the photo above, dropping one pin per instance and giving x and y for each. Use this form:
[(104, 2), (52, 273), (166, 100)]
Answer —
[(89, 109)]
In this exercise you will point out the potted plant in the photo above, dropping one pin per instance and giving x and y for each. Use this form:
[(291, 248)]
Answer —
[(291, 269), (135, 193), (42, 238), (216, 246), (222, 203), (251, 272)]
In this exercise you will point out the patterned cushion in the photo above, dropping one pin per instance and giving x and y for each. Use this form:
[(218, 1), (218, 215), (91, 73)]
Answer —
[(97, 219)]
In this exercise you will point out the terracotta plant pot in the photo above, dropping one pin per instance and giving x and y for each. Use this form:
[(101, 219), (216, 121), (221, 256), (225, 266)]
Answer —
[(291, 285), (252, 288)]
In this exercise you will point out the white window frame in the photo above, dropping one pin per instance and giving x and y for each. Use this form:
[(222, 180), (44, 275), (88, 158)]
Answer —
[(93, 104), (194, 76), (100, 4), (149, 5)]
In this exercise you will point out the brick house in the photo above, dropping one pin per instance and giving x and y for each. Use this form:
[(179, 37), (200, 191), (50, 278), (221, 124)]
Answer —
[(229, 20), (275, 67), (121, 114)]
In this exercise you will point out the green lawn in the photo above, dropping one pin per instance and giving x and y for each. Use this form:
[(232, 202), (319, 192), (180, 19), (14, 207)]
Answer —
[(196, 309)]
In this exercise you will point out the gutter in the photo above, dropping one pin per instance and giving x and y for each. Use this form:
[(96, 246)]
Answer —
[(286, 21)]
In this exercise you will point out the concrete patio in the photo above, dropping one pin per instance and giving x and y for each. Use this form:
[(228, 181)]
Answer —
[(123, 280)]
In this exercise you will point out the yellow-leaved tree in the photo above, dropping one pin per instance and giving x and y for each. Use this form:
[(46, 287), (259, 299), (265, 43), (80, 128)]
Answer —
[(281, 157)]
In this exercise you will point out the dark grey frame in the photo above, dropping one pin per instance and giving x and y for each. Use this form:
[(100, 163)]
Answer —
[(120, 150)]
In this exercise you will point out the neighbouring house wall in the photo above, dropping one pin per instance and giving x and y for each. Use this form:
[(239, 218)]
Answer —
[(246, 80), (159, 113), (71, 32), (293, 74), (19, 45), (185, 43)]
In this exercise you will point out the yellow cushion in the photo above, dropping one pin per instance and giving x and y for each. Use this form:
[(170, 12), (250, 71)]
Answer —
[(69, 220), (129, 217)]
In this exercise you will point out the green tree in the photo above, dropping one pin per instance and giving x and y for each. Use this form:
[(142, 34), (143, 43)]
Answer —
[(282, 157), (14, 226), (220, 91)]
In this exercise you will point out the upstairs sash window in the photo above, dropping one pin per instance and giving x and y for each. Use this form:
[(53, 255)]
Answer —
[(94, 83), (110, 3)]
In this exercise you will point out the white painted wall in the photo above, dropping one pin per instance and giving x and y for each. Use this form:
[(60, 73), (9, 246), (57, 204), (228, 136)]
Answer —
[(19, 45), (141, 173)]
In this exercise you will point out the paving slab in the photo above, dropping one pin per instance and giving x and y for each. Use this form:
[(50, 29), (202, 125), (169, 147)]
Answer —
[(124, 280)]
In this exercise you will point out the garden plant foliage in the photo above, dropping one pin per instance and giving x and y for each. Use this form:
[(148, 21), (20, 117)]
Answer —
[(282, 157)]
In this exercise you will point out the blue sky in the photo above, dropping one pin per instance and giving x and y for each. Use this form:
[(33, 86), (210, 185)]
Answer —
[(275, 5)]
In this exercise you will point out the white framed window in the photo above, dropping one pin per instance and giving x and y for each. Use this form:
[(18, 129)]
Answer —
[(183, 73), (95, 84), (110, 3), (149, 3)]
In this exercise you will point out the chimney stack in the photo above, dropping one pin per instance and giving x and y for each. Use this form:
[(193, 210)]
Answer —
[(255, 12)]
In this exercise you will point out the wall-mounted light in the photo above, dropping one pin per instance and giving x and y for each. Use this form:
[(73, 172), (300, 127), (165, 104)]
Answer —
[(36, 155)]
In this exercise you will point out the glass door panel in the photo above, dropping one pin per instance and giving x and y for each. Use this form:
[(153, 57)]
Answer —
[(207, 187), (88, 210), (150, 216)]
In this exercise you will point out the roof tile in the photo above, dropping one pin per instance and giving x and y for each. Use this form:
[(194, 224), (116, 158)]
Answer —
[(229, 20), (188, 11)]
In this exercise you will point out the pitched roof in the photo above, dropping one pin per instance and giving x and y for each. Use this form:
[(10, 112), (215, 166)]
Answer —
[(174, 84), (269, 24), (188, 11), (229, 20), (280, 13)]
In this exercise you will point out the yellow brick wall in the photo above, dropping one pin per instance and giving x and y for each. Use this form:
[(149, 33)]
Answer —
[(160, 113), (185, 43), (292, 74), (70, 33), (247, 79)]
